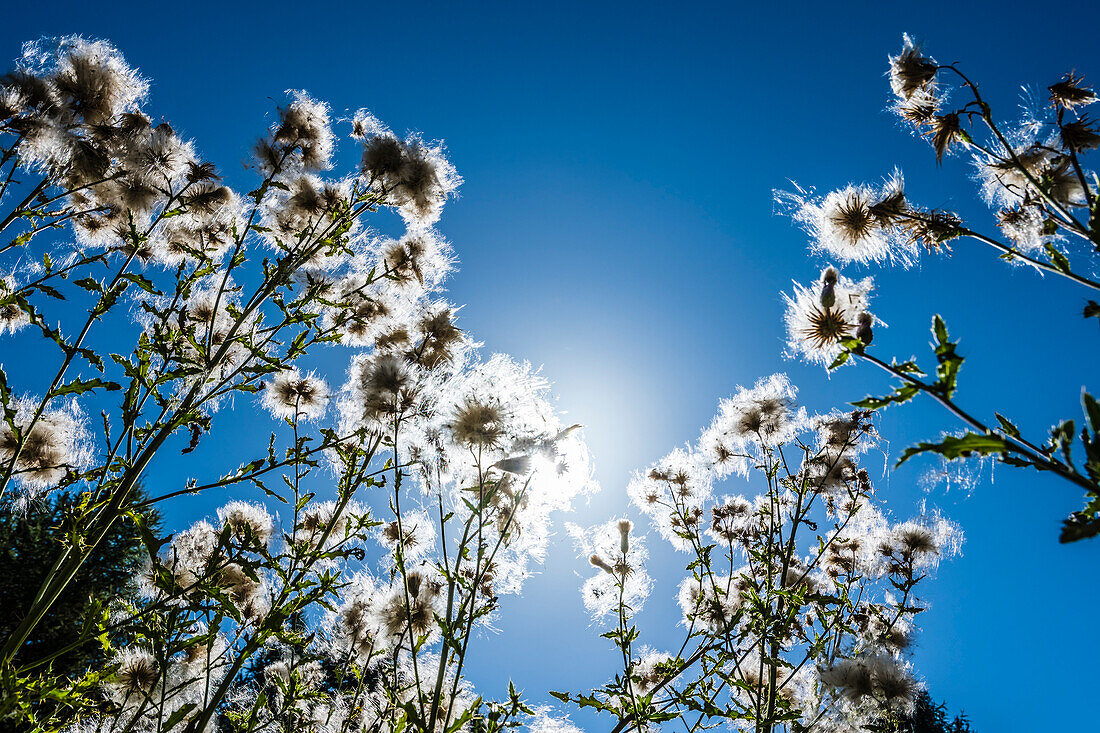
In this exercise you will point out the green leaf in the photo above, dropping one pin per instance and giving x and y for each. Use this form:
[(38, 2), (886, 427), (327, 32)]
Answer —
[(1057, 259), (949, 362), (939, 328), (1092, 411), (909, 367), (1007, 425), (90, 284), (952, 447), (178, 715), (1061, 437), (1079, 526), (904, 393), (50, 291), (80, 386), (142, 282)]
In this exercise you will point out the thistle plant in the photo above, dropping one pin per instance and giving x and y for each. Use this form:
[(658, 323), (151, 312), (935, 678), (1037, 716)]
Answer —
[(409, 499), (1033, 173), (798, 604)]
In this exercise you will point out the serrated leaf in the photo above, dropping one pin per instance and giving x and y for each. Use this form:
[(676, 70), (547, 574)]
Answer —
[(90, 284), (1057, 259), (1092, 411), (948, 360), (1079, 526), (952, 447), (178, 715), (904, 393), (939, 329), (1007, 425), (80, 386), (141, 281)]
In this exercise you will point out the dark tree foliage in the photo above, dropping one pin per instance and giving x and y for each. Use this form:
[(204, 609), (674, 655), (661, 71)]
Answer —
[(928, 717), (28, 547)]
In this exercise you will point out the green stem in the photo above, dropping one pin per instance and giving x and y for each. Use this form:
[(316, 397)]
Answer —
[(1012, 444)]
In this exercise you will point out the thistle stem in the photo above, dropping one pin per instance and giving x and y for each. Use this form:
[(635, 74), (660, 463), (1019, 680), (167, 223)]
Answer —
[(1019, 446)]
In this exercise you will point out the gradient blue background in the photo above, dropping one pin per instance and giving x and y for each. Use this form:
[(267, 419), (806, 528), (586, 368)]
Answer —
[(616, 226)]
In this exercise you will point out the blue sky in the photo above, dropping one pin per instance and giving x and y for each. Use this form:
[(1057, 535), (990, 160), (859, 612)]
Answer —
[(616, 226)]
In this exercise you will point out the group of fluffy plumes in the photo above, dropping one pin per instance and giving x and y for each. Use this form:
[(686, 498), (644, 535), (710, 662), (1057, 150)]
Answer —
[(73, 107), (402, 613), (133, 187), (674, 491), (620, 556), (411, 175), (292, 395), (206, 560), (869, 676), (73, 111), (861, 224), (209, 554), (915, 79), (184, 681), (314, 687), (76, 110), (47, 444)]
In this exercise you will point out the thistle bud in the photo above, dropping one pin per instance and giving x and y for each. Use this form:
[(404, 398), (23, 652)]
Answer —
[(412, 582), (864, 333), (519, 465), (600, 563), (828, 288), (625, 526)]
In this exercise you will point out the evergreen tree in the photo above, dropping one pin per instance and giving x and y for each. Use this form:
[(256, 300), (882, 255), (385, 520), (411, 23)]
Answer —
[(928, 717), (28, 546)]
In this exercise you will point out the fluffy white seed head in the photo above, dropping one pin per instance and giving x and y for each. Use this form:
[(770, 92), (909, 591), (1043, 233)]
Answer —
[(414, 535), (136, 675), (46, 449), (290, 394), (247, 522), (305, 127), (857, 223), (622, 571), (90, 78), (911, 71), (815, 330), (764, 415)]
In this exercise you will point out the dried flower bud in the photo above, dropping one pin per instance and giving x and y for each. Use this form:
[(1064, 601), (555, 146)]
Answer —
[(828, 288), (625, 525), (519, 465), (599, 562), (863, 332)]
